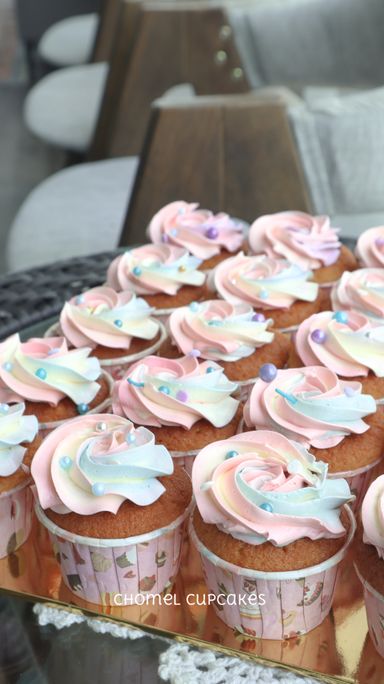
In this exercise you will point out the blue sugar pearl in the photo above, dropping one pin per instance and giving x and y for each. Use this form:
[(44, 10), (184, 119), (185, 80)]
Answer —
[(341, 316), (131, 438), (118, 323), (137, 271), (65, 462), (164, 389), (194, 306), (263, 293), (173, 232), (231, 454), (267, 507), (7, 366), (41, 373), (4, 408), (268, 372), (79, 299), (210, 369), (82, 408), (98, 489)]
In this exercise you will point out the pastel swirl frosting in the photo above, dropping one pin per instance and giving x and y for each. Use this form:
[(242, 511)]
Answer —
[(158, 392), (263, 282), (370, 248), (310, 405), (350, 344), (44, 370), (201, 232), (219, 330), (308, 241), (15, 428), (372, 514), (94, 463), (103, 316), (152, 269), (362, 290), (260, 486)]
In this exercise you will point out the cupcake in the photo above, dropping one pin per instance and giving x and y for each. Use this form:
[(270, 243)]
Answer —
[(370, 248), (164, 275), (114, 506), (346, 342), (231, 334), (271, 529), (308, 241), (54, 383), (18, 443), (185, 403), (329, 416), (361, 290), (209, 237), (282, 291), (369, 560), (118, 327)]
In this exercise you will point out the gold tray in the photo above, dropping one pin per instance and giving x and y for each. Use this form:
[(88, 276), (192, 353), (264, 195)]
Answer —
[(339, 650)]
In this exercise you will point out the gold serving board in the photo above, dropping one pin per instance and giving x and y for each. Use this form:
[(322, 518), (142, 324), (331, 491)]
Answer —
[(339, 650)]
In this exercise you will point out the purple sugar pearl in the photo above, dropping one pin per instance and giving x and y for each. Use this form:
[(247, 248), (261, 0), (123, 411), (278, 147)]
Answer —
[(379, 242), (211, 233), (318, 336), (268, 372), (182, 396), (195, 353), (349, 391), (259, 317)]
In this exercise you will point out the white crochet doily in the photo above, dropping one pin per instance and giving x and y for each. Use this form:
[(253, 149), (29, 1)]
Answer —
[(180, 663)]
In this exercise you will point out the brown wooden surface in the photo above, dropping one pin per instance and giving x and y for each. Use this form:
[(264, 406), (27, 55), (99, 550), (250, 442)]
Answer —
[(233, 154), (109, 13)]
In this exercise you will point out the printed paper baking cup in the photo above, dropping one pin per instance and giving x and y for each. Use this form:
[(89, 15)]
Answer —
[(16, 507), (118, 572), (104, 407), (374, 606), (273, 605), (185, 459), (358, 480)]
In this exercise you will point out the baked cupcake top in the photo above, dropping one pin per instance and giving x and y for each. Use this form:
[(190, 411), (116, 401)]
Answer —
[(308, 241), (104, 317), (219, 330), (164, 392), (361, 290), (201, 232), (372, 514), (15, 429), (152, 269), (263, 282), (42, 369), (94, 463), (260, 486), (310, 405), (370, 248), (347, 342)]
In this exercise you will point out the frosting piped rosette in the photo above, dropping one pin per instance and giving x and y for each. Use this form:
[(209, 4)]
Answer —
[(372, 514), (15, 429), (95, 463), (370, 248), (259, 486), (347, 342), (219, 330), (201, 232), (308, 241), (104, 317), (361, 290), (154, 269), (310, 405), (43, 369), (163, 392), (263, 282)]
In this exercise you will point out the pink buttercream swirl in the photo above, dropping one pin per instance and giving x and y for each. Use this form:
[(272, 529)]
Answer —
[(351, 348), (362, 290), (103, 316), (309, 241), (201, 232), (218, 330), (370, 248), (163, 392), (372, 514), (263, 282), (260, 486), (154, 269), (310, 405)]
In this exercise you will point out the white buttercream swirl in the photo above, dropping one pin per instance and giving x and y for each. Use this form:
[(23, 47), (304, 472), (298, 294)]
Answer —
[(15, 428)]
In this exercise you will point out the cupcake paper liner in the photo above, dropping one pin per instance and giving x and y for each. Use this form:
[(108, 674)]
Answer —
[(16, 507), (374, 605), (358, 480), (272, 605), (118, 572), (185, 459)]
